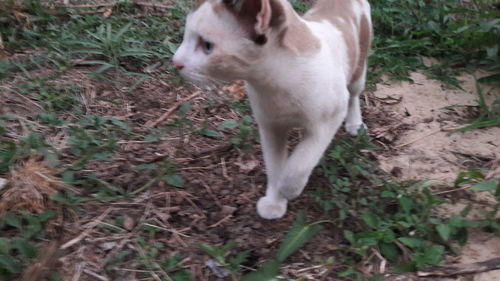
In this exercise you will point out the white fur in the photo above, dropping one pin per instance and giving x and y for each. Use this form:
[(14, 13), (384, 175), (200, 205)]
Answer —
[(286, 91)]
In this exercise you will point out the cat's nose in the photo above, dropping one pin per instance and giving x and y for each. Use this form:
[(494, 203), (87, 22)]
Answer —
[(179, 66)]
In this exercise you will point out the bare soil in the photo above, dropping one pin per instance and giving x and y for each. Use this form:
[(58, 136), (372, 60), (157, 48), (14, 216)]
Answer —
[(430, 110)]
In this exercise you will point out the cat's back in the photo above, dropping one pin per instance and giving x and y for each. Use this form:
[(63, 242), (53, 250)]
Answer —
[(339, 11), (352, 19)]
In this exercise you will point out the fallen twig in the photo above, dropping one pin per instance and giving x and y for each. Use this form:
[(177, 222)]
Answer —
[(459, 269), (88, 229), (417, 139), (171, 110)]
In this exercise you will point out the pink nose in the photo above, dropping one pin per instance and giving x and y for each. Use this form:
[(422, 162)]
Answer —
[(179, 66)]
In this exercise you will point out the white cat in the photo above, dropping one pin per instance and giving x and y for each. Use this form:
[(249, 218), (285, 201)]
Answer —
[(300, 72)]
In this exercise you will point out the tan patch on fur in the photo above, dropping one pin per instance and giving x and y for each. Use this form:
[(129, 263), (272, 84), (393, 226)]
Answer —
[(297, 37), (364, 48), (357, 32)]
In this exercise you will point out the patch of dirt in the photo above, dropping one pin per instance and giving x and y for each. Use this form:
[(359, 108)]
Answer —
[(429, 111)]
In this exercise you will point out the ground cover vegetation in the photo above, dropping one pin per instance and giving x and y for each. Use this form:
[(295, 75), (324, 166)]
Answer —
[(105, 154)]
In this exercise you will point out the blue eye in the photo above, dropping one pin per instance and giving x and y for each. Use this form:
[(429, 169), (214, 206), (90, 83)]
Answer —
[(207, 47)]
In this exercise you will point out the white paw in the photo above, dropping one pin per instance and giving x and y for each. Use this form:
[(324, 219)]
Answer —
[(353, 129), (270, 208)]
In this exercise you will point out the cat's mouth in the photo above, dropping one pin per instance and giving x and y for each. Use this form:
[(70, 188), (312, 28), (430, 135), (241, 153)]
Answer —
[(200, 79)]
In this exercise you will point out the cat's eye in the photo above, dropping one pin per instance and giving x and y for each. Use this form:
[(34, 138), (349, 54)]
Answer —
[(207, 46)]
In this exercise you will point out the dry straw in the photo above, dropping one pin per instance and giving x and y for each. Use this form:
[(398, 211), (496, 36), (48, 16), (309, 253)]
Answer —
[(29, 187)]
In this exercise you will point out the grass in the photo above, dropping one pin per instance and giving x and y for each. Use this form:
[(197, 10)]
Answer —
[(56, 122)]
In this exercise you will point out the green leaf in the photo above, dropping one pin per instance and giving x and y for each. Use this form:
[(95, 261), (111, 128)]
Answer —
[(494, 78), (228, 124), (478, 125), (12, 220), (404, 267), (174, 180), (149, 167), (371, 220), (218, 253), (389, 251), (4, 246), (266, 273), (211, 133), (172, 262), (412, 242), (182, 275), (47, 215), (468, 177), (378, 277), (349, 236), (24, 247), (486, 186), (406, 203), (10, 265), (240, 258), (444, 231), (300, 233)]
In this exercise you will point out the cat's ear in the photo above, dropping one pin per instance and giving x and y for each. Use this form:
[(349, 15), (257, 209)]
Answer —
[(263, 17), (197, 3), (263, 13)]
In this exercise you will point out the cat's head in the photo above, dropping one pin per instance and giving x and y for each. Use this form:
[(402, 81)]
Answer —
[(226, 39)]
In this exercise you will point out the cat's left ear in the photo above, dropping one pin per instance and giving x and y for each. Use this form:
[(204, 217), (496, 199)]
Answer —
[(263, 17), (263, 13)]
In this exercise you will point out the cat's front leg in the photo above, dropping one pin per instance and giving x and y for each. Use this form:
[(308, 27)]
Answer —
[(274, 146), (306, 156)]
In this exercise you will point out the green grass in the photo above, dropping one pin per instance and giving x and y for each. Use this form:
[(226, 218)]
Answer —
[(373, 211), (462, 38), (396, 218)]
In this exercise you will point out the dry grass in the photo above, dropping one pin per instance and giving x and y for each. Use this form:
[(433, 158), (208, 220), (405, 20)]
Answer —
[(29, 187)]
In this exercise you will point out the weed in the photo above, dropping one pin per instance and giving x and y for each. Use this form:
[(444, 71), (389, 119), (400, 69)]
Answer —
[(95, 138), (166, 172), (475, 180), (444, 29), (20, 231), (489, 115), (146, 256), (299, 234), (54, 99), (245, 131), (395, 218)]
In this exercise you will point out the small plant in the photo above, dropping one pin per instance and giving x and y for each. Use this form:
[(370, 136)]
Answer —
[(475, 180), (95, 138), (244, 128), (489, 115), (299, 234), (394, 218), (458, 36), (17, 246), (54, 99), (166, 172), (147, 257)]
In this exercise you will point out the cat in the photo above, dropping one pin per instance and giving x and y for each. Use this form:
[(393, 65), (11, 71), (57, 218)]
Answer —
[(301, 72)]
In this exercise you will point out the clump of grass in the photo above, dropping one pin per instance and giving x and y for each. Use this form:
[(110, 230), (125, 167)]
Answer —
[(461, 37), (489, 114)]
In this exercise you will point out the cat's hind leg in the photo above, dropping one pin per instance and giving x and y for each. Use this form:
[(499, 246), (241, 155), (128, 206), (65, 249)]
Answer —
[(274, 147), (354, 120)]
